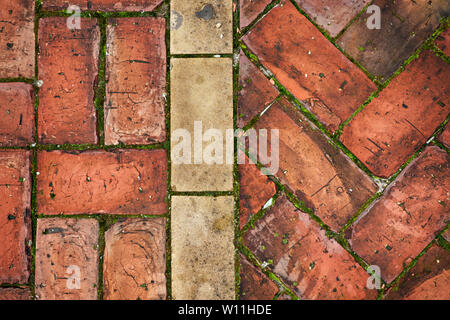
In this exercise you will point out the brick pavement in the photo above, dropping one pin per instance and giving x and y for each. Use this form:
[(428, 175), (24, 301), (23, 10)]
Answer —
[(96, 122)]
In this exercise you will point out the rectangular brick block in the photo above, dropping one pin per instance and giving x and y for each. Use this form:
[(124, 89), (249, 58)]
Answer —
[(15, 216), (298, 251), (255, 92), (254, 284), (403, 117), (405, 25), (332, 15), (202, 248), (201, 26), (17, 41), (103, 5), (68, 64), (136, 81), (202, 91), (397, 227), (135, 260), (16, 114), (92, 182), (15, 294), (316, 171), (308, 65), (66, 259), (249, 10)]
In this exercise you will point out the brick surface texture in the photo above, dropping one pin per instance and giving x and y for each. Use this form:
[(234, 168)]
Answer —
[(104, 5)]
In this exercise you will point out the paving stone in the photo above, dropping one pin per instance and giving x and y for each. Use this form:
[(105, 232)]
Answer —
[(318, 173), (68, 63), (134, 264), (331, 15), (255, 92), (402, 118), (15, 294), (429, 279), (444, 137), (201, 90), (308, 65), (405, 25), (249, 10), (298, 251), (446, 235), (202, 248), (93, 182), (443, 42), (255, 190), (16, 114), (255, 285), (398, 226), (17, 41), (15, 216), (204, 26), (103, 5), (66, 259), (136, 81)]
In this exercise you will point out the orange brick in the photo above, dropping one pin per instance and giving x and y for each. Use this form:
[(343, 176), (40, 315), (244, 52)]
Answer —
[(255, 285)]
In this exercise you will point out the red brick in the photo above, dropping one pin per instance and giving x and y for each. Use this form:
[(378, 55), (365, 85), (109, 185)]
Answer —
[(429, 279), (120, 182), (135, 264), (397, 227), (300, 253), (446, 235), (405, 25), (316, 171), (66, 251), (443, 42), (250, 10), (332, 15), (444, 137), (17, 39), (103, 5), (255, 92), (16, 114), (15, 294), (136, 81), (255, 190), (68, 63), (255, 285), (308, 65), (405, 114), (15, 216)]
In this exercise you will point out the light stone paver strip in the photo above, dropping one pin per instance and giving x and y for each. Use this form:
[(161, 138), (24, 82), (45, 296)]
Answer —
[(202, 250)]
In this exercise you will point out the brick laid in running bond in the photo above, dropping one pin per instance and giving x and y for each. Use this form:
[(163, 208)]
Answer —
[(103, 5), (16, 114), (67, 63), (397, 227), (136, 81), (15, 216), (93, 182)]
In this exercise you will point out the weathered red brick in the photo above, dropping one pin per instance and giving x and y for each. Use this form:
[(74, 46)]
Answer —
[(405, 25), (15, 216), (17, 41), (255, 285), (103, 5), (119, 182), (136, 81), (308, 65), (332, 15), (443, 42), (429, 279), (397, 227), (66, 259), (15, 294), (299, 252), (17, 114), (444, 137), (255, 190), (405, 114), (134, 264), (68, 63), (316, 171), (255, 92), (249, 10), (446, 235)]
